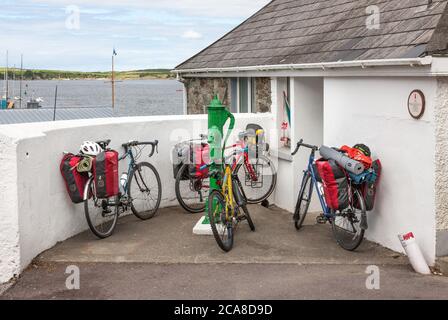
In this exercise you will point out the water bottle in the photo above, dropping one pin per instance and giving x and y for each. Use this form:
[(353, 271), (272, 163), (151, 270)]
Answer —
[(123, 182)]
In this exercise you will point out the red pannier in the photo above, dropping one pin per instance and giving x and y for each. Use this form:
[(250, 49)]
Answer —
[(75, 181), (335, 184), (200, 155), (105, 173)]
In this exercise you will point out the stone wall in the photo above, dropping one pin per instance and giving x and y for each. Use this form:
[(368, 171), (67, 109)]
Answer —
[(263, 94), (200, 92), (441, 159)]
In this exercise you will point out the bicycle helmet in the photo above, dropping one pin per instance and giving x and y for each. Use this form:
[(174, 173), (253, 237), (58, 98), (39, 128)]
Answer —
[(90, 148), (364, 149)]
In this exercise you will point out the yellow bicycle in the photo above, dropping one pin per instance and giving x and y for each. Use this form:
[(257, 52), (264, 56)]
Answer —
[(224, 209)]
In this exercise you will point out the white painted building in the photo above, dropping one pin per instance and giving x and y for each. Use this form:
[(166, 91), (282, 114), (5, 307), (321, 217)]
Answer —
[(349, 70)]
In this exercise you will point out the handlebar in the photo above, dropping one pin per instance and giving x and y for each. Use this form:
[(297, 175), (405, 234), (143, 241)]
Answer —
[(301, 144), (153, 144)]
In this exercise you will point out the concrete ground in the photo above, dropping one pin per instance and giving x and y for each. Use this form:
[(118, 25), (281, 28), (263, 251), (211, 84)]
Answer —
[(162, 259)]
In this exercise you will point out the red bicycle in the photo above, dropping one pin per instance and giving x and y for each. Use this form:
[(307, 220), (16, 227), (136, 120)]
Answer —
[(254, 169)]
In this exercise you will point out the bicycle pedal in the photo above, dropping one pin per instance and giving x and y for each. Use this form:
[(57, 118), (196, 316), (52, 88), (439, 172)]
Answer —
[(321, 219)]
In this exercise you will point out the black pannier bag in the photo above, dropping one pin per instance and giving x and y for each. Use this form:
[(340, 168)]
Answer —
[(369, 188), (335, 184), (75, 181), (180, 156)]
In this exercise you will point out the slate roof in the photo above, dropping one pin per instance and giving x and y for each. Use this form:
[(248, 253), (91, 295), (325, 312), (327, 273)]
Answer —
[(46, 114), (315, 31)]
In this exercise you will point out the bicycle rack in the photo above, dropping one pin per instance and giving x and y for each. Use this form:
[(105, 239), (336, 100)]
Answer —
[(259, 173)]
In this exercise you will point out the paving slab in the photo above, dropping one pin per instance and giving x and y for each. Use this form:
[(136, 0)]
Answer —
[(168, 238)]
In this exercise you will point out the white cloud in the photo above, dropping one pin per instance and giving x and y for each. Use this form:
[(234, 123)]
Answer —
[(208, 8), (146, 33), (191, 34)]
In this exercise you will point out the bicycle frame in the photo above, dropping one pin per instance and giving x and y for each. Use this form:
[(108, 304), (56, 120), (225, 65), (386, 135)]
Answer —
[(315, 184), (128, 154), (227, 191), (243, 153)]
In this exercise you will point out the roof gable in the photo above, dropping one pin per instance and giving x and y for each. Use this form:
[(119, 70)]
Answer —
[(315, 31)]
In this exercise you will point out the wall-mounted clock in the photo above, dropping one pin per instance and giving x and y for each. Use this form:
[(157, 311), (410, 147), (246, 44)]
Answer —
[(416, 104)]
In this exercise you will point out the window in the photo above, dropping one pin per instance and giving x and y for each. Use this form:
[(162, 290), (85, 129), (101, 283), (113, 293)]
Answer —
[(242, 91), (234, 95)]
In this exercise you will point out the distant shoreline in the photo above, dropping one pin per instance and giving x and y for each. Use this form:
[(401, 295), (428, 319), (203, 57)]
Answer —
[(28, 75)]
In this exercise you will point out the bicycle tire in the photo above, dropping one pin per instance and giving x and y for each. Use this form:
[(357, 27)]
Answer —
[(307, 186), (356, 242), (149, 214), (100, 234), (189, 208), (248, 218), (228, 245), (256, 200)]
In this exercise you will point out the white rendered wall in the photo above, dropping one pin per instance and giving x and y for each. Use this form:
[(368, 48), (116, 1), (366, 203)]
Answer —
[(284, 193), (35, 209), (374, 111), (307, 123), (307, 104), (9, 222)]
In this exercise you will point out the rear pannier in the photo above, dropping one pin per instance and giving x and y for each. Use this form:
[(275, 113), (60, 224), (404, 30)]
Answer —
[(181, 155), (335, 184), (195, 155), (105, 173), (75, 181), (199, 157)]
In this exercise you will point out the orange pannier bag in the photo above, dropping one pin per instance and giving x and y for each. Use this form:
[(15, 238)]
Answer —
[(357, 155)]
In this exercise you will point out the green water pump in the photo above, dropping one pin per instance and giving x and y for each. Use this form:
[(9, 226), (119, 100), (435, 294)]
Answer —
[(218, 115)]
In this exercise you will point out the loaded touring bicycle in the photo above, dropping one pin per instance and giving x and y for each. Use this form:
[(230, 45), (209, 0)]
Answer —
[(138, 189)]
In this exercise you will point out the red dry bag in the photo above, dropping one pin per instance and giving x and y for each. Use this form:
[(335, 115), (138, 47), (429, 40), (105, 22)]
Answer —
[(105, 173), (75, 181), (335, 184)]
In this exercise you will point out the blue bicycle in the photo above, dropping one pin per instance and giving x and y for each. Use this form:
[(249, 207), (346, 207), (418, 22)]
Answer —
[(348, 225), (140, 191)]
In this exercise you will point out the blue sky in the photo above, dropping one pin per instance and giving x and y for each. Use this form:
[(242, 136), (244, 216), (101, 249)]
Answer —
[(145, 33)]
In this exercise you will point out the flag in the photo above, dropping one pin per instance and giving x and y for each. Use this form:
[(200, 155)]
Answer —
[(114, 52)]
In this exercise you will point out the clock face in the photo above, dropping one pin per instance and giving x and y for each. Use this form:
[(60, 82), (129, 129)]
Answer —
[(416, 104)]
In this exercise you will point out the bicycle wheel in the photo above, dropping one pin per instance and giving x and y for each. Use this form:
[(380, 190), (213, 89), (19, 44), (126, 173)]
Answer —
[(144, 190), (346, 224), (101, 214), (266, 179), (221, 227), (303, 201), (248, 218), (190, 190)]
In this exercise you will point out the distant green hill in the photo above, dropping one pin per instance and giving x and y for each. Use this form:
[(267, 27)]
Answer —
[(35, 74)]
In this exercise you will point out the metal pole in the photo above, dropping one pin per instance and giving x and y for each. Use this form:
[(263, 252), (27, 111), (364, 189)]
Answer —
[(7, 80), (55, 102), (113, 83), (21, 79)]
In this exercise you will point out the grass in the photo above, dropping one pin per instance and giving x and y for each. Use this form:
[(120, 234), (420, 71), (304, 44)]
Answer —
[(36, 74)]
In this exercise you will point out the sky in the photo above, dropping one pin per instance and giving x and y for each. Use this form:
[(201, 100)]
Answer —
[(81, 34)]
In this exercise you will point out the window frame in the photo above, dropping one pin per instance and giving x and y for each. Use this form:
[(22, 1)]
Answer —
[(251, 95)]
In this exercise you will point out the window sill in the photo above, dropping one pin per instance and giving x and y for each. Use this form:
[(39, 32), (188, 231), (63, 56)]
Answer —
[(284, 154)]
